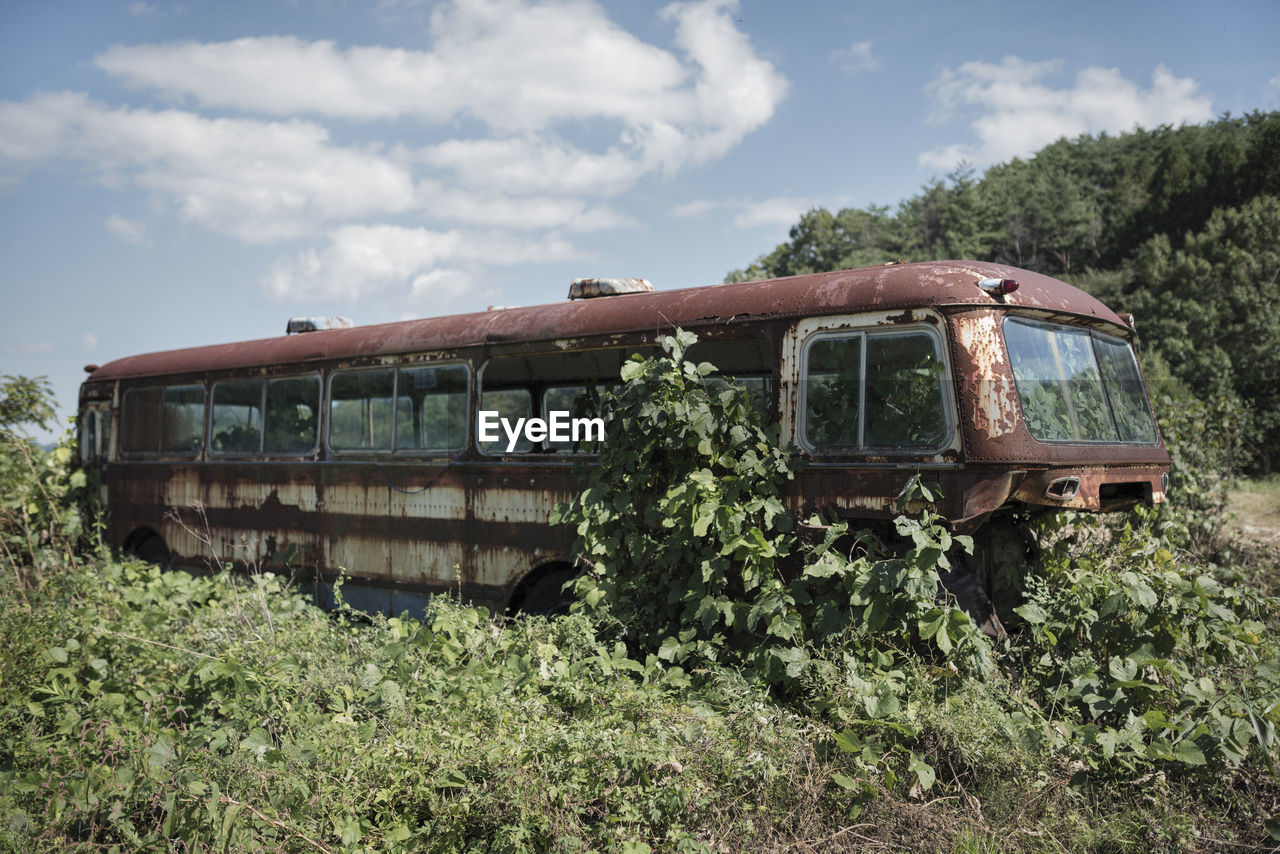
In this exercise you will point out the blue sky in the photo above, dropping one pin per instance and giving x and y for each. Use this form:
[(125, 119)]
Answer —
[(174, 174)]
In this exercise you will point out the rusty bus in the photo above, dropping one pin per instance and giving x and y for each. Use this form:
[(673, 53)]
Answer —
[(356, 448)]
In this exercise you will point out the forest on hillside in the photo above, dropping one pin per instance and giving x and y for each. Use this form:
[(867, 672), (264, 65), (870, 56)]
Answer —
[(1180, 226)]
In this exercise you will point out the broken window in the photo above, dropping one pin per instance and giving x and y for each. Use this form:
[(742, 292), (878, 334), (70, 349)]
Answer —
[(564, 381)]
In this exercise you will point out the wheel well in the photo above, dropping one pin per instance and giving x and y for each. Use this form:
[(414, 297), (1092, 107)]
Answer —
[(531, 579), (146, 544), (139, 536)]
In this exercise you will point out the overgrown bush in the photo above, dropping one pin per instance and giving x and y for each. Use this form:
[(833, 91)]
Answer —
[(149, 710), (152, 710), (690, 548), (1128, 662), (42, 494)]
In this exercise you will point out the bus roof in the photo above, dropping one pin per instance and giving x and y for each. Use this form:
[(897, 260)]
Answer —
[(887, 287)]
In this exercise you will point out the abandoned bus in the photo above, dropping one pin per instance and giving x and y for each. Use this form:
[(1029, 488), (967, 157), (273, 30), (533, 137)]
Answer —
[(358, 449)]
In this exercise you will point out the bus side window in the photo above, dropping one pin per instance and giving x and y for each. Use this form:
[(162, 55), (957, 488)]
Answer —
[(745, 361), (140, 420), (89, 442), (874, 390), (833, 392), (104, 433), (183, 414), (904, 404), (236, 426), (293, 414), (431, 408), (510, 404), (360, 410), (580, 402), (163, 420), (559, 381)]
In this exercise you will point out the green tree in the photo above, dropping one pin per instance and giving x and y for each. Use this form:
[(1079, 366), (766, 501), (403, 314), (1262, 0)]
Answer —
[(25, 401), (1212, 309)]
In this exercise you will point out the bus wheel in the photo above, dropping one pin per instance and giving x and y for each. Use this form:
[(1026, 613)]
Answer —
[(545, 595)]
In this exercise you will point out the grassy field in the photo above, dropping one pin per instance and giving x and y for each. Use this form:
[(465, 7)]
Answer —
[(1255, 503), (148, 711)]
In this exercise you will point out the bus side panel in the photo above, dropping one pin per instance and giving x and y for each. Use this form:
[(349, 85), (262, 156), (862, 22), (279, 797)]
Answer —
[(472, 530), (242, 514)]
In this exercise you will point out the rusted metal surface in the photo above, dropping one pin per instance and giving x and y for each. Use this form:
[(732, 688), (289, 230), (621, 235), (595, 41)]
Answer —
[(476, 524), (458, 534), (988, 393), (902, 286)]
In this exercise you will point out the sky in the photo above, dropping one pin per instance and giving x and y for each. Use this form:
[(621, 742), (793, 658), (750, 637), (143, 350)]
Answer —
[(183, 173)]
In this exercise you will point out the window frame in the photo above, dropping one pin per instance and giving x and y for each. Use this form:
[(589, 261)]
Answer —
[(467, 419), (863, 331), (266, 419), (262, 452), (262, 410), (393, 451), (158, 419)]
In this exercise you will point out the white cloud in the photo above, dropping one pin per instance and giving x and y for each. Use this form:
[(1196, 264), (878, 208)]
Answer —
[(128, 230), (525, 213), (771, 213), (1271, 92), (520, 68), (26, 348), (89, 341), (1017, 112), (260, 181), (777, 212), (513, 65), (362, 261), (856, 57), (695, 208), (531, 165), (561, 109)]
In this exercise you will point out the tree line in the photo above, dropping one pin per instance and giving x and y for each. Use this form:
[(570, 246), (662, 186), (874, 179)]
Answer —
[(1180, 226)]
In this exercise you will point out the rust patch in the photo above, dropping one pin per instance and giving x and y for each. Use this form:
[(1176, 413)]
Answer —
[(994, 398)]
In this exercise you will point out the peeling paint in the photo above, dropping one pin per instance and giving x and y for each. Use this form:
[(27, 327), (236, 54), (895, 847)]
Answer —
[(994, 397)]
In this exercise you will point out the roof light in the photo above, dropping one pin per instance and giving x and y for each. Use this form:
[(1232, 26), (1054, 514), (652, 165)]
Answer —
[(998, 287), (587, 288), (316, 324)]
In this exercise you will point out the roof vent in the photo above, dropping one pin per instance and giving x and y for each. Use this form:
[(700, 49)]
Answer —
[(316, 324), (588, 288)]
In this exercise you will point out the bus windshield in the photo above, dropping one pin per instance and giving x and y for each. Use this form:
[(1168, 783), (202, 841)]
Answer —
[(1077, 385)]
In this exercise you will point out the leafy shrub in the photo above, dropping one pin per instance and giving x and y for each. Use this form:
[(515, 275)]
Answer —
[(42, 496), (1147, 662), (1127, 661), (154, 710), (690, 548)]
